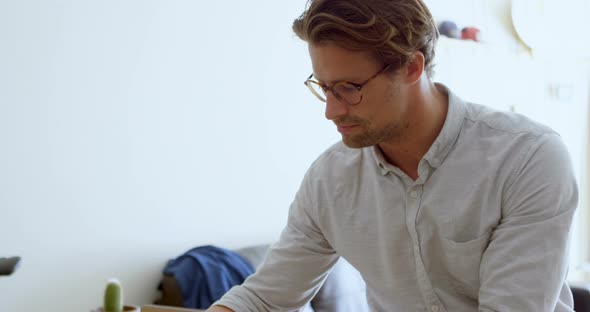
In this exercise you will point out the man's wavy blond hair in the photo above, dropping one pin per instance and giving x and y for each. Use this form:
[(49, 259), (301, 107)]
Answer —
[(390, 29)]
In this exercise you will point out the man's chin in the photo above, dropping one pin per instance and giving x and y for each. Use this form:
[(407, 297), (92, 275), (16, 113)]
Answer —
[(353, 142)]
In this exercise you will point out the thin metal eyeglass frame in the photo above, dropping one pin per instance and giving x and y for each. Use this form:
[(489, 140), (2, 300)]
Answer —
[(358, 86)]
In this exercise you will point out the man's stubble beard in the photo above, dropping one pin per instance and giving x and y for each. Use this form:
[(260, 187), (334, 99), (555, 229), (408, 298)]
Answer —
[(394, 131)]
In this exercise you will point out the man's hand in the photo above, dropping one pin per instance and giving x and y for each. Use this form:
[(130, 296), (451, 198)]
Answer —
[(219, 308)]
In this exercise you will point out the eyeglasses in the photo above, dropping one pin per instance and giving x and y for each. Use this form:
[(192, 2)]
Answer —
[(348, 92)]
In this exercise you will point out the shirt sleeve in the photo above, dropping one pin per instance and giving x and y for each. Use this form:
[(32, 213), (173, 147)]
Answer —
[(294, 268), (525, 265)]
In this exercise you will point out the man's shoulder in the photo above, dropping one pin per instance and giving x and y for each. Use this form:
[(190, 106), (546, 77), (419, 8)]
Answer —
[(338, 152), (503, 122), (340, 156), (339, 149)]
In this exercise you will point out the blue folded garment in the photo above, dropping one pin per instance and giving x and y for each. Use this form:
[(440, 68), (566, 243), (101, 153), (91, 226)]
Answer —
[(204, 274)]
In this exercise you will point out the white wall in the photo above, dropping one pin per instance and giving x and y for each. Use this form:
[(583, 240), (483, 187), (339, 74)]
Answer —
[(131, 131)]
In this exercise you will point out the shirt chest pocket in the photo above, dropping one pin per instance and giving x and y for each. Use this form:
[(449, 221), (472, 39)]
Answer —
[(461, 261)]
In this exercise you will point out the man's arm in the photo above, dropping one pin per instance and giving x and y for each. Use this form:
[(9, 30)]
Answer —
[(218, 308), (525, 265), (294, 268)]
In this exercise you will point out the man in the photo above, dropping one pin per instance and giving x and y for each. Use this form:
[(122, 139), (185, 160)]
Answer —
[(440, 204)]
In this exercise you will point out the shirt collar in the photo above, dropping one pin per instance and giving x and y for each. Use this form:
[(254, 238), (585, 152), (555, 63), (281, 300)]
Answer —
[(445, 140)]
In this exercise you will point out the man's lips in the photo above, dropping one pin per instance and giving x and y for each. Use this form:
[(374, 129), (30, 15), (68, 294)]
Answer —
[(346, 128)]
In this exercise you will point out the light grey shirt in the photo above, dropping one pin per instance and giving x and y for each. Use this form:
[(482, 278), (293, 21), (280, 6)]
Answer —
[(484, 228)]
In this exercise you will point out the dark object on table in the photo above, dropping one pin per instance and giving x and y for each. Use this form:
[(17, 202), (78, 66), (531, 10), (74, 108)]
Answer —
[(9, 265), (449, 29), (581, 297)]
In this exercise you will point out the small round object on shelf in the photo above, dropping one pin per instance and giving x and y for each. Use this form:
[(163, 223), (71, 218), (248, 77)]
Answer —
[(470, 33), (449, 29)]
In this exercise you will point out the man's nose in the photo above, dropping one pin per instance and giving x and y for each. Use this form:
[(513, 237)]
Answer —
[(334, 107)]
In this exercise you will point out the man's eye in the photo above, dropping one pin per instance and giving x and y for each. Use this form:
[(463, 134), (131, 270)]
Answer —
[(347, 88)]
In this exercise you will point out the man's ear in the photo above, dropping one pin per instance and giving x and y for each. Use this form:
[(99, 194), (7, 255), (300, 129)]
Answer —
[(414, 68)]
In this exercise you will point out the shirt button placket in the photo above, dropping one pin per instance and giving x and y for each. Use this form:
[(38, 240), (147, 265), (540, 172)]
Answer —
[(414, 194)]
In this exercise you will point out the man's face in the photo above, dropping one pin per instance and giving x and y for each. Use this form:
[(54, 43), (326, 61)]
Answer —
[(381, 114)]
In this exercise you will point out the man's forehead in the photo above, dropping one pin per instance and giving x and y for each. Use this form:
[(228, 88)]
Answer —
[(332, 63)]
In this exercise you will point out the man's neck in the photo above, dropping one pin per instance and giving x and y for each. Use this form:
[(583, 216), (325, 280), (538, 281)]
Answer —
[(426, 120)]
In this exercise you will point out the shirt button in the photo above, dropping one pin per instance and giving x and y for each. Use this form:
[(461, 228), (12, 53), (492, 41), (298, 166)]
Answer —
[(434, 308), (414, 194)]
